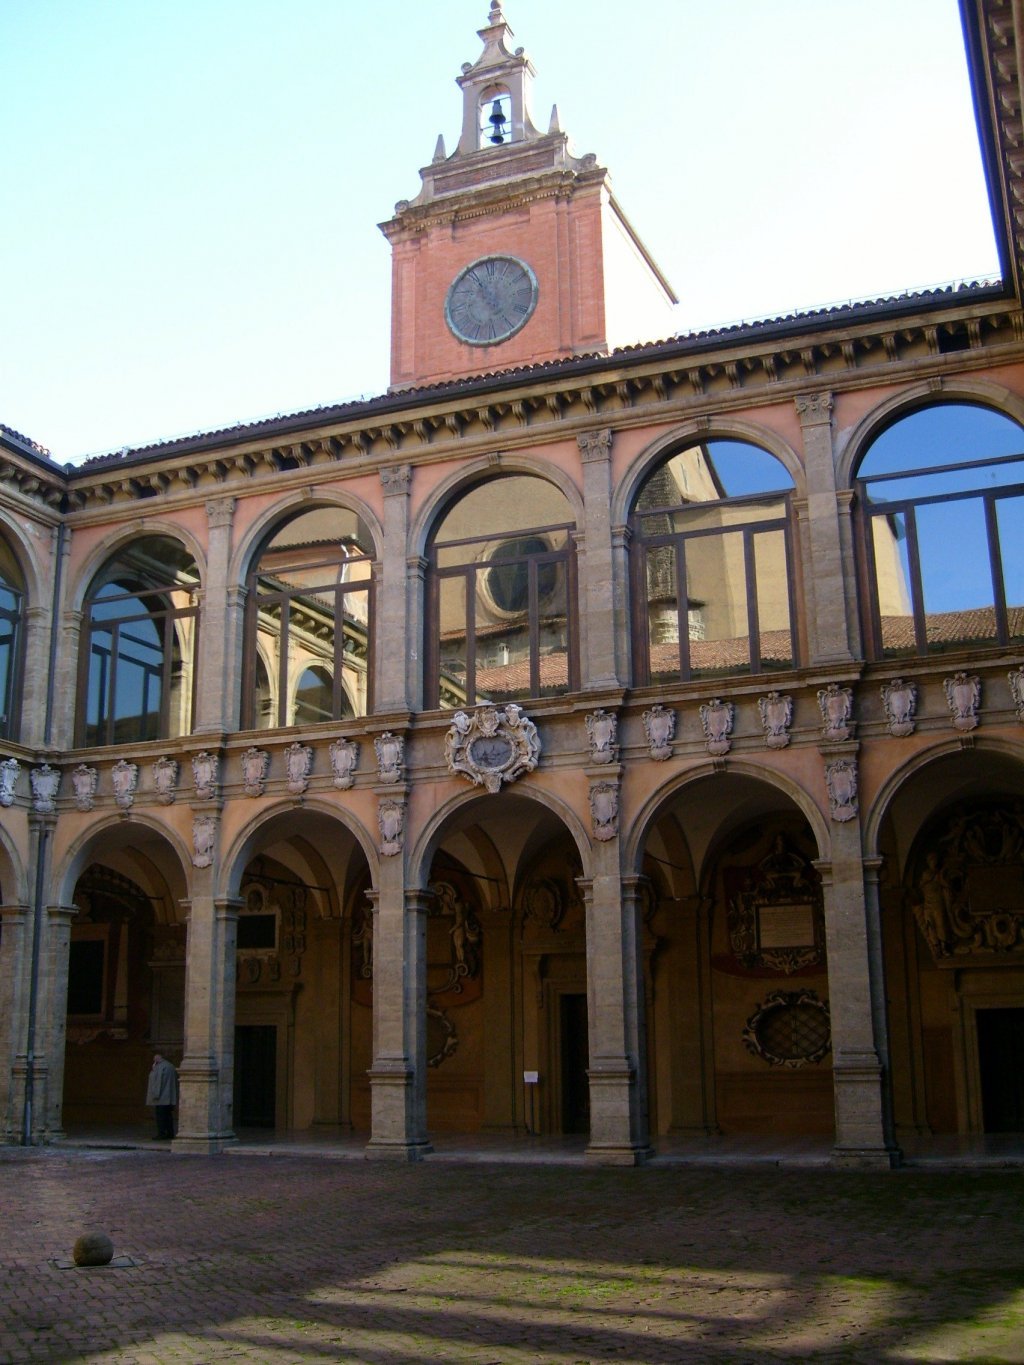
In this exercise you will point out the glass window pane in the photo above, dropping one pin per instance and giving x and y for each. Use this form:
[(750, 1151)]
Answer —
[(553, 623), (453, 641), (355, 666), (772, 579), (944, 433), (517, 503), (138, 682), (956, 573), (948, 482), (716, 591), (1010, 521), (663, 612), (310, 641), (892, 579), (503, 636), (265, 716), (100, 650), (314, 697)]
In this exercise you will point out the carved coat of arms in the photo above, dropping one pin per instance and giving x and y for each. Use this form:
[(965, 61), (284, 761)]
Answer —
[(660, 727), (492, 746)]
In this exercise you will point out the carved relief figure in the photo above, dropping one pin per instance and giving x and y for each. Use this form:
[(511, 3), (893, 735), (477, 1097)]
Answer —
[(900, 701), (362, 939), (963, 695), (836, 706), (204, 774), (660, 726), (9, 770), (84, 782), (255, 766), (45, 782), (344, 754), (1016, 681), (124, 776), (165, 780), (601, 728), (544, 902), (604, 810), (841, 780), (390, 753), (391, 819), (716, 717), (298, 761), (464, 933), (776, 717), (204, 830)]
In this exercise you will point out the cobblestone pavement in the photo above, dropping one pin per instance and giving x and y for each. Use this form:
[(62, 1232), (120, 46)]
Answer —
[(294, 1259)]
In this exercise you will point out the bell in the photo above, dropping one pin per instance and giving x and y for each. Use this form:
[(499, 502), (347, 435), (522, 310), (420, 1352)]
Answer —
[(497, 122)]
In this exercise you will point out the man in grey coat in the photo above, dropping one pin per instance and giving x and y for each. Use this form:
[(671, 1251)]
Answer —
[(162, 1095)]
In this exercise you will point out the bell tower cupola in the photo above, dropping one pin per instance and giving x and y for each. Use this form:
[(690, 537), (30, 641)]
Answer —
[(515, 250)]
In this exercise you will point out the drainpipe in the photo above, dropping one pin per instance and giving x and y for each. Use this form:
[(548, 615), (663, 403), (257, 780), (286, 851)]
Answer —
[(42, 851)]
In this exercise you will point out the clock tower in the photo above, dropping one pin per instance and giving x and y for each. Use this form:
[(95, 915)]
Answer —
[(515, 251)]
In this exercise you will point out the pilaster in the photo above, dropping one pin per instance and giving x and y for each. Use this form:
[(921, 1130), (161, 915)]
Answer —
[(217, 661), (15, 965), (392, 682), (830, 628), (604, 614)]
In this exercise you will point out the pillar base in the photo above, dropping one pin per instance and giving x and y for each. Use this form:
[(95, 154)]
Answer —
[(867, 1158), (396, 1151), (203, 1146), (617, 1156)]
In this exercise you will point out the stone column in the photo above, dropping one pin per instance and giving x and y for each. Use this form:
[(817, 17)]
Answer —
[(862, 1137), (15, 964), (879, 995), (395, 655), (398, 1082), (603, 633), (217, 664), (65, 692), (205, 1114), (40, 622), (615, 999), (52, 1021), (830, 628)]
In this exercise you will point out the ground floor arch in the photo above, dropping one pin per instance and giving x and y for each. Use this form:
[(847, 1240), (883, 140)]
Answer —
[(507, 1019), (951, 890), (735, 963), (301, 1031)]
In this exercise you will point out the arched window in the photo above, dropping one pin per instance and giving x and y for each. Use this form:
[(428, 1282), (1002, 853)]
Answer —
[(711, 564), (942, 514), (309, 607), (503, 585), (141, 625), (12, 605)]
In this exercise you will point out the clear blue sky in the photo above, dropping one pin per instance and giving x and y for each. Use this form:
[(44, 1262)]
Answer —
[(192, 187)]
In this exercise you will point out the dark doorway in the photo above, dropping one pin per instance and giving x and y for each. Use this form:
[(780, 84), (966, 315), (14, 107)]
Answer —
[(1001, 1059), (255, 1075), (575, 1060)]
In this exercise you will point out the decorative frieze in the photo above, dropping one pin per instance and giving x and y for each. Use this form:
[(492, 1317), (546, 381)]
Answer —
[(841, 780), (124, 777), (716, 718), (660, 728), (9, 770), (344, 755), (900, 701), (492, 746), (298, 764), (776, 714), (604, 809), (205, 767), (45, 783), (836, 706), (390, 756), (85, 782), (255, 767), (602, 728), (963, 696), (165, 780)]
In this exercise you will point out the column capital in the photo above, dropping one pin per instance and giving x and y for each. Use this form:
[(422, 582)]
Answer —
[(220, 512), (395, 480), (814, 409), (595, 445)]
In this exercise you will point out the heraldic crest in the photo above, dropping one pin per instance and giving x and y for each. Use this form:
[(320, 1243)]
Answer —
[(495, 744)]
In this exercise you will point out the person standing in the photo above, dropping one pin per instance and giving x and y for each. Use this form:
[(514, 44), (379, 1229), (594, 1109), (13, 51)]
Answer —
[(162, 1095)]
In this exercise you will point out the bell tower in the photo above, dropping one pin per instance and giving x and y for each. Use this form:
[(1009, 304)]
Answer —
[(515, 251)]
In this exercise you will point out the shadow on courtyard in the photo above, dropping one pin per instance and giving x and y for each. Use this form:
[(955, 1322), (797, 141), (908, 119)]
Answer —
[(287, 1258)]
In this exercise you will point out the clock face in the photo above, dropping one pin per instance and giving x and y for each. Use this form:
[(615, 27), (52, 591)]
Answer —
[(490, 300)]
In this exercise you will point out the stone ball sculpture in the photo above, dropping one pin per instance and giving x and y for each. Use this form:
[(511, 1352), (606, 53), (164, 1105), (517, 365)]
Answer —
[(93, 1248)]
